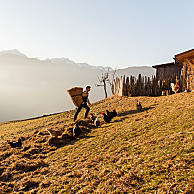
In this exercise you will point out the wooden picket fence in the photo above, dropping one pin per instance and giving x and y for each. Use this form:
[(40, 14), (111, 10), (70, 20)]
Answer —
[(140, 86)]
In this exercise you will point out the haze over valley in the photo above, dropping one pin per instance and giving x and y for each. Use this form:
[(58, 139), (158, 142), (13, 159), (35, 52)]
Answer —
[(31, 87)]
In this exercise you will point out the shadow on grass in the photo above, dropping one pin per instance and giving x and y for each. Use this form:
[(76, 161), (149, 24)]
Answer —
[(86, 137), (120, 120), (130, 112), (62, 143), (86, 127), (73, 141)]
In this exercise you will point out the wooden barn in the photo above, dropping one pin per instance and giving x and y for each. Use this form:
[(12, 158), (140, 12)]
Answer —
[(186, 59), (168, 71), (182, 70)]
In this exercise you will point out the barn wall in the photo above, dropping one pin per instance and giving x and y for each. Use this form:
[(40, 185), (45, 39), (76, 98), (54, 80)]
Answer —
[(187, 73), (168, 72)]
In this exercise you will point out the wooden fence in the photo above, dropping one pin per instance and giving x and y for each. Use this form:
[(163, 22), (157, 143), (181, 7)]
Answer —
[(140, 86)]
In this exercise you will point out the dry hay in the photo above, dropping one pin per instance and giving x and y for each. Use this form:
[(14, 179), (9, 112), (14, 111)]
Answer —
[(45, 183), (29, 184), (53, 141), (19, 163), (142, 152), (67, 135), (26, 165), (86, 123), (75, 94)]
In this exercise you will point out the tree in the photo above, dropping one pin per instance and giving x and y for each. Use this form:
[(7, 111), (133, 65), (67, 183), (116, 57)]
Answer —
[(105, 78)]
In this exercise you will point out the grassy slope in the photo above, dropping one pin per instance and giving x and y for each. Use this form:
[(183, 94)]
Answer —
[(143, 152)]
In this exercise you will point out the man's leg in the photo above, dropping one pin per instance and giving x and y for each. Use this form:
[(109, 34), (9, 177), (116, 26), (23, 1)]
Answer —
[(78, 110), (87, 110)]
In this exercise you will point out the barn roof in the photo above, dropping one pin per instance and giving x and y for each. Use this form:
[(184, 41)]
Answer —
[(162, 65), (185, 54)]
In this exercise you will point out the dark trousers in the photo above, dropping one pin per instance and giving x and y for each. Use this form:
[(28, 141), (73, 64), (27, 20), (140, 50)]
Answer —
[(83, 105)]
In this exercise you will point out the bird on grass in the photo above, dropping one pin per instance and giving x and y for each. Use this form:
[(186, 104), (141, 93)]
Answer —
[(76, 131), (139, 106), (112, 114), (115, 113), (16, 144), (96, 122), (107, 118), (93, 117)]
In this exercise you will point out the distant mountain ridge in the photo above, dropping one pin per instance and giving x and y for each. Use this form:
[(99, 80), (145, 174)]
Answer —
[(136, 70), (133, 70), (32, 87), (62, 60), (12, 52)]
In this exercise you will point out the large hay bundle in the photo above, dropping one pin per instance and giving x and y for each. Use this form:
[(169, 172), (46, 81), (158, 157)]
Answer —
[(75, 94)]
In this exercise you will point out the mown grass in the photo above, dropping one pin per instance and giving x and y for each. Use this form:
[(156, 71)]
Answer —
[(138, 152)]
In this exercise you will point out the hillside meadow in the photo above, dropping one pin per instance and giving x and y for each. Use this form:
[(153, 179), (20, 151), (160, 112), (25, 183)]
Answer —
[(146, 152)]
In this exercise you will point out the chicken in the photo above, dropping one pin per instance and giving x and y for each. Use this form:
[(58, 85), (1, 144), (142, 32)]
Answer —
[(115, 113), (172, 86), (138, 105), (108, 112), (96, 122), (107, 118), (55, 133), (164, 93), (176, 87), (76, 131), (111, 114), (16, 143), (93, 117)]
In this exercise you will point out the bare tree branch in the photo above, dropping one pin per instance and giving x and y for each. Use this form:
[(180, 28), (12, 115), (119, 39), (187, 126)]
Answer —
[(105, 78), (98, 85)]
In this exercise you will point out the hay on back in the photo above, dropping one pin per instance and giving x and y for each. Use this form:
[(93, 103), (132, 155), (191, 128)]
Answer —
[(75, 94)]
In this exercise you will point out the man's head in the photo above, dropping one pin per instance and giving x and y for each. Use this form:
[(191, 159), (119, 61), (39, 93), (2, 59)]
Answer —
[(88, 88)]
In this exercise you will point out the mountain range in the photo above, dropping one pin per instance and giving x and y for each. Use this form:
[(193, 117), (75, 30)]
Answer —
[(31, 87)]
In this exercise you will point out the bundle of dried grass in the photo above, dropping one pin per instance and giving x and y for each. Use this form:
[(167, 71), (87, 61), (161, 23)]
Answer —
[(25, 165), (75, 94), (55, 133)]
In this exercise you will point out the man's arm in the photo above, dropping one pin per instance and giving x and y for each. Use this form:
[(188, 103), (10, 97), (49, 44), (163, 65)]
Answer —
[(89, 102)]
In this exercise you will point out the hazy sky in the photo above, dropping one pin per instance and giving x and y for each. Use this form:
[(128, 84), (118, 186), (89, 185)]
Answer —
[(100, 32)]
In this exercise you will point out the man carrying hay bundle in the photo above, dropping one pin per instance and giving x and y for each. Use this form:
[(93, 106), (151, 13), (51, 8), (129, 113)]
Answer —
[(81, 100), (84, 103)]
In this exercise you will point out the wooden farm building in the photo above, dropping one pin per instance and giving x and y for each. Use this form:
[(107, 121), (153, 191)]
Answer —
[(181, 72), (182, 69), (168, 71), (186, 59)]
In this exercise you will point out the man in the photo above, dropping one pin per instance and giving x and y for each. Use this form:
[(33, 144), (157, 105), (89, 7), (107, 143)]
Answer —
[(86, 101)]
